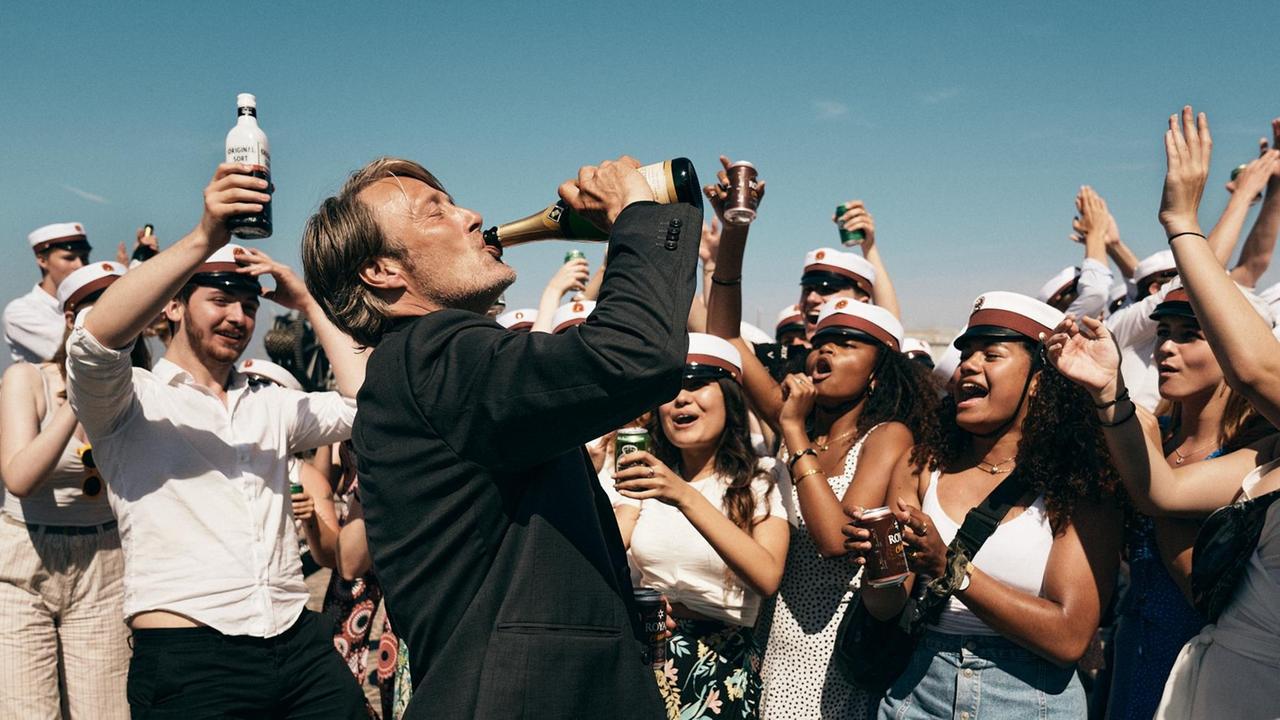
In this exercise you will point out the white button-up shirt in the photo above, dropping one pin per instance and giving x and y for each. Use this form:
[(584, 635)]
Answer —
[(34, 326), (200, 487), (1135, 333)]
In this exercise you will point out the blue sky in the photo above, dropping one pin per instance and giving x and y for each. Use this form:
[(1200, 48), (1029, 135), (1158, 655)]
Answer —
[(966, 128)]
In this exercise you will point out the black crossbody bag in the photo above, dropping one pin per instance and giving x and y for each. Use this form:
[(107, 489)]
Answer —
[(1224, 544), (871, 652)]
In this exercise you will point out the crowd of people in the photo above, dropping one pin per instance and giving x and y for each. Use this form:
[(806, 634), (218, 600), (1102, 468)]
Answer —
[(1083, 480)]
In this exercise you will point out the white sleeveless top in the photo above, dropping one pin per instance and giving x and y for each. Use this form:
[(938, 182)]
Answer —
[(72, 495), (1016, 554)]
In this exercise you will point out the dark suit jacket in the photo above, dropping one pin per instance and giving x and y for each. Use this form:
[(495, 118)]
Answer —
[(496, 547)]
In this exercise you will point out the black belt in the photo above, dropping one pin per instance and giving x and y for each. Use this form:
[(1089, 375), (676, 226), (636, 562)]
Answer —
[(64, 529)]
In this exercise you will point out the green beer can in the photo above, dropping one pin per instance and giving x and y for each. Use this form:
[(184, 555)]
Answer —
[(848, 237), (295, 488), (629, 440), (574, 255)]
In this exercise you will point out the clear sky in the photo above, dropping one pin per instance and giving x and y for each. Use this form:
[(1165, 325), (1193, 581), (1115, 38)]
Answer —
[(966, 127)]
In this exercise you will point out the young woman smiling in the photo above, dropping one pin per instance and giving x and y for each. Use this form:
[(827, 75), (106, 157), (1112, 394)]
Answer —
[(706, 527), (1022, 610)]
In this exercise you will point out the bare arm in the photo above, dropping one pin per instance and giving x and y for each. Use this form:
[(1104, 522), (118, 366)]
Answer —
[(321, 528), (353, 556), (28, 454), (626, 515), (570, 276), (133, 301), (1226, 233), (1255, 256)]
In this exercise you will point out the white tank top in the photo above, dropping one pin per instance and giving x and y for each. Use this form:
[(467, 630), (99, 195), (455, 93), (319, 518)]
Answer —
[(72, 494), (1016, 554)]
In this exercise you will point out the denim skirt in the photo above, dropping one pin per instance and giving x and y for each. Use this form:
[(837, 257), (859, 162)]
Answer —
[(981, 677)]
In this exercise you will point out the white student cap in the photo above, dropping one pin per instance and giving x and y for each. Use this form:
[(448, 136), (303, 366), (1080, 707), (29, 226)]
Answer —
[(1065, 278), (1153, 265), (268, 370), (87, 283), (846, 316), (219, 271), (712, 357), (570, 314), (67, 235), (1007, 314), (915, 346), (521, 319), (789, 319), (947, 362), (828, 267)]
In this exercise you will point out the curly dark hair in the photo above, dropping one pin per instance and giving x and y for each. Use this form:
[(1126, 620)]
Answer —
[(904, 392), (735, 458), (1062, 451)]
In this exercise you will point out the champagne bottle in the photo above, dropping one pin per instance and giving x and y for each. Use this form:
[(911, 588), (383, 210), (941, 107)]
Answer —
[(671, 180), (142, 253), (246, 143)]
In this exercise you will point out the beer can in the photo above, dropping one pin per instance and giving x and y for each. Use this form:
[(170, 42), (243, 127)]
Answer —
[(848, 237), (574, 255), (629, 440), (295, 488), (652, 608), (742, 198), (887, 561)]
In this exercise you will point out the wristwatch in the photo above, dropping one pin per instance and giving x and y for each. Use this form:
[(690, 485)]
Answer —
[(966, 567)]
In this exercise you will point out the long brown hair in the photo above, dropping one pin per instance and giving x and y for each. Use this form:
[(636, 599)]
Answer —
[(735, 459)]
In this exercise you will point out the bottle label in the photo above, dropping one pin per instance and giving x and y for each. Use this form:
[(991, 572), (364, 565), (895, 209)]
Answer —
[(658, 175), (251, 153)]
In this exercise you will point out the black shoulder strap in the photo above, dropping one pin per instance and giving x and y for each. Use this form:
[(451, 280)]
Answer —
[(983, 520)]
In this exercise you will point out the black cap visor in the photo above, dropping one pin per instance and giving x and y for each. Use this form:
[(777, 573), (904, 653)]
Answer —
[(989, 332), (829, 280), (1173, 308), (75, 246), (835, 332), (229, 281)]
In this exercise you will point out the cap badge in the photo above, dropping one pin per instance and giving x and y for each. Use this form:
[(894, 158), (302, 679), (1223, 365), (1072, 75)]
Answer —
[(519, 316), (248, 363), (106, 266), (78, 228), (977, 304), (577, 307), (841, 304), (821, 254)]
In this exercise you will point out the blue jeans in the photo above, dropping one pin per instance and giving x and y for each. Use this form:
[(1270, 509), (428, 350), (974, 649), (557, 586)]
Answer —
[(981, 677)]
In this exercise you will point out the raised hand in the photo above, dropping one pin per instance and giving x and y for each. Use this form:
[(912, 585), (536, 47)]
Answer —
[(645, 477), (717, 193), (601, 192), (1188, 148), (856, 217), (572, 276), (233, 191), (290, 292), (1092, 216), (709, 246), (1255, 175), (1085, 353)]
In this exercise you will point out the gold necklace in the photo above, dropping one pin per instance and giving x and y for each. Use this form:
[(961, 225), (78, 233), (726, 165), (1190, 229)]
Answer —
[(823, 447), (1183, 458), (994, 468)]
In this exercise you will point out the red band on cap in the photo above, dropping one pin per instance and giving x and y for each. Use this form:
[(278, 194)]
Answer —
[(46, 244), (86, 290), (716, 361), (521, 326), (796, 319), (1010, 320), (218, 267), (1177, 295), (861, 324), (568, 324)]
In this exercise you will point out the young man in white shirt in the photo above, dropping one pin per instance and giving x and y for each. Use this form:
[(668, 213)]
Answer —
[(195, 460), (33, 323)]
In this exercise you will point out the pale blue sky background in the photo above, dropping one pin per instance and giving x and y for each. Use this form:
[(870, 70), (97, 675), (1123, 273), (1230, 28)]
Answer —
[(967, 127)]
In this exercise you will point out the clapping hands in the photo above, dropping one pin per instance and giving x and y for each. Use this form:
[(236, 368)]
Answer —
[(1188, 147)]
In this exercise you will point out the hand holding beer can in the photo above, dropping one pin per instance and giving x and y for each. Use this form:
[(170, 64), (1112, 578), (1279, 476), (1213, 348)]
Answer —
[(742, 194), (887, 561), (629, 440), (848, 237)]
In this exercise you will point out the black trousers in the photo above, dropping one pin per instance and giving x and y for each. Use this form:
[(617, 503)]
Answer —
[(198, 673)]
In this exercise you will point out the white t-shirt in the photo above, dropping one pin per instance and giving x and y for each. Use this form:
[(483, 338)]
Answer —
[(669, 554)]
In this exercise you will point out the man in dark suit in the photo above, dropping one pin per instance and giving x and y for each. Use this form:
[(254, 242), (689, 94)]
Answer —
[(496, 547)]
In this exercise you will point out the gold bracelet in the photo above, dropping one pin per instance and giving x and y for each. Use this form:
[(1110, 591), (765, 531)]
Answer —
[(796, 480)]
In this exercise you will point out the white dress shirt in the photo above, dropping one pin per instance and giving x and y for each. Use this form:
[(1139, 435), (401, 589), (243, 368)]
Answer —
[(1135, 333), (34, 326), (200, 487), (1092, 289)]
